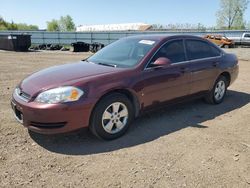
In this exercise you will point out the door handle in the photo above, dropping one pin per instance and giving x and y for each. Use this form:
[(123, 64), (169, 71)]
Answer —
[(158, 67), (215, 64), (184, 69)]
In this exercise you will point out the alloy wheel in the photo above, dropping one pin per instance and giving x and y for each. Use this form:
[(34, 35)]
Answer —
[(115, 117), (219, 91)]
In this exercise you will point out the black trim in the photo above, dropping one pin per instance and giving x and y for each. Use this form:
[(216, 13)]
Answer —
[(48, 125)]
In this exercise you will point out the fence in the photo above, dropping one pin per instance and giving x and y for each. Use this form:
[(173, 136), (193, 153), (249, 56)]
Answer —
[(44, 37)]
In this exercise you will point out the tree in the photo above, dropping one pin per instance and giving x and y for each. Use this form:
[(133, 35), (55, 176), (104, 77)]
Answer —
[(15, 26), (157, 26), (231, 14), (248, 25), (24, 26), (3, 24), (12, 26), (201, 27), (53, 25), (65, 23)]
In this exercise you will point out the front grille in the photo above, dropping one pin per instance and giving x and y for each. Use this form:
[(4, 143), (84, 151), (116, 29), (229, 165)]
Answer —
[(22, 95), (48, 125)]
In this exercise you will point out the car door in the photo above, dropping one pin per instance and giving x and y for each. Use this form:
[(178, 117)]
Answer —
[(204, 59), (165, 83)]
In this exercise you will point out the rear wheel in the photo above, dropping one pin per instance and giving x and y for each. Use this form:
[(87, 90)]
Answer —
[(112, 116), (217, 94)]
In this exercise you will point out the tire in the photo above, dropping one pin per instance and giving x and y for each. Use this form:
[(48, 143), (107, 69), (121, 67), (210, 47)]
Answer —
[(217, 94), (112, 116)]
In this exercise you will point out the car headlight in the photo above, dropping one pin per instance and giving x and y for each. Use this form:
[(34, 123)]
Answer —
[(59, 95)]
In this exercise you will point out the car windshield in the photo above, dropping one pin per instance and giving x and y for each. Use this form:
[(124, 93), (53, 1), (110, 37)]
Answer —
[(123, 53)]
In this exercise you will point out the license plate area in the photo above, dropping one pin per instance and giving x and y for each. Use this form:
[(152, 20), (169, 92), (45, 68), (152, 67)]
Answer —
[(17, 113)]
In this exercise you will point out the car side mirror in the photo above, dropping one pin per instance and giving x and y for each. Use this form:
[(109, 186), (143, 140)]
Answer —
[(161, 61)]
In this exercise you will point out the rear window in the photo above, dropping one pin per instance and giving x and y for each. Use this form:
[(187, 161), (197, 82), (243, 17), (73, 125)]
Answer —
[(197, 49)]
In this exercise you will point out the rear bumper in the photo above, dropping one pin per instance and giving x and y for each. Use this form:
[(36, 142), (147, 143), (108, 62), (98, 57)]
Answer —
[(234, 72), (52, 118)]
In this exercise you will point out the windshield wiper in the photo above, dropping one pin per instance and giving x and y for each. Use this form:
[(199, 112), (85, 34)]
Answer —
[(107, 64)]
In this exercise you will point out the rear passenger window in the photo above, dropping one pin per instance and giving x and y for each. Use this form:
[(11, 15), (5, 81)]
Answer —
[(199, 49), (214, 51), (173, 50)]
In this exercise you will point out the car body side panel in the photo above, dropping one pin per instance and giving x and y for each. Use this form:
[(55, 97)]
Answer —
[(204, 73), (164, 84)]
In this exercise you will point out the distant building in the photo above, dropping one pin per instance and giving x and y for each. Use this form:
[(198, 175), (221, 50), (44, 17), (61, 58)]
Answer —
[(115, 27)]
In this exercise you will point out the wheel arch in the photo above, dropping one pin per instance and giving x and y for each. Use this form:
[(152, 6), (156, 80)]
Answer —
[(227, 76), (128, 93)]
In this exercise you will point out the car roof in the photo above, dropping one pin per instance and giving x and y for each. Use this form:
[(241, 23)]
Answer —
[(159, 37)]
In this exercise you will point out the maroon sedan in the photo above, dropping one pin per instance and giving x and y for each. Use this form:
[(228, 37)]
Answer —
[(109, 89)]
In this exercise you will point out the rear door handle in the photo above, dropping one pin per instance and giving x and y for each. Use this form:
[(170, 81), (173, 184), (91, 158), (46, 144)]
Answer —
[(184, 69), (215, 64)]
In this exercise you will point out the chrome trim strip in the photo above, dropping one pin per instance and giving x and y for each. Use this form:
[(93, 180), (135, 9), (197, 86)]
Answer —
[(206, 58)]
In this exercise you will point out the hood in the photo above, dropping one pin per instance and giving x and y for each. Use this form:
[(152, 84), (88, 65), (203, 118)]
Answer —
[(59, 75)]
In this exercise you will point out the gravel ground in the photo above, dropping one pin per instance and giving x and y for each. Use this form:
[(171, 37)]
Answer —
[(188, 145)]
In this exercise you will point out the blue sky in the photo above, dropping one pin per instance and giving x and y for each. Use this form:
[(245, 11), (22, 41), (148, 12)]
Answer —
[(112, 11)]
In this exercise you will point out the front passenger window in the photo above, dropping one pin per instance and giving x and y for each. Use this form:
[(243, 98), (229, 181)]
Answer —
[(173, 50)]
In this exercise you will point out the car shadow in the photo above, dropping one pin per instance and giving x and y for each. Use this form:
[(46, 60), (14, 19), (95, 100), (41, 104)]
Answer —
[(146, 128)]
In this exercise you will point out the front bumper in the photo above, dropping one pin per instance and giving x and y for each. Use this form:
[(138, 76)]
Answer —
[(52, 118)]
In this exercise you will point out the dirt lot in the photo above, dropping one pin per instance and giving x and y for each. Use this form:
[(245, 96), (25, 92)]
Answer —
[(190, 145)]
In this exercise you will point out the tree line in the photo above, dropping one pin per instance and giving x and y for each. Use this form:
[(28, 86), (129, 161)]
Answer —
[(229, 16), (4, 25), (65, 23)]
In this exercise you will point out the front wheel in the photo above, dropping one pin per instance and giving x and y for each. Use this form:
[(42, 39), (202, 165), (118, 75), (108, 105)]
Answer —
[(112, 116), (217, 94)]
